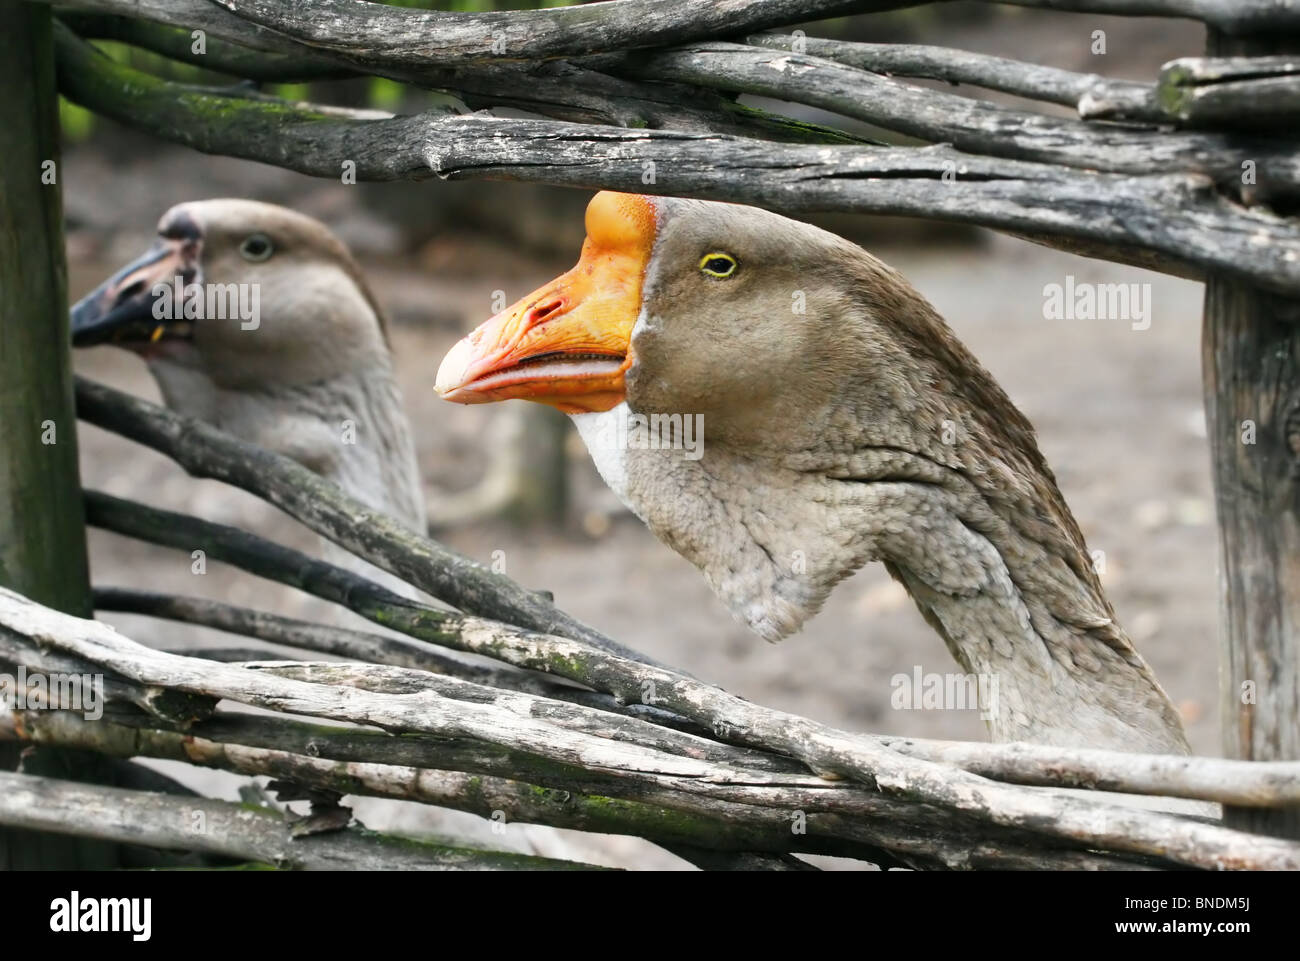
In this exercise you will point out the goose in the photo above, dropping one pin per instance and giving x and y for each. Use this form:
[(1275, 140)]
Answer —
[(843, 423), (256, 319)]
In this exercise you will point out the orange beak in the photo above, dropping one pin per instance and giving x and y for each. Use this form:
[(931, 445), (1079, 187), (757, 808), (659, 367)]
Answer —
[(568, 343)]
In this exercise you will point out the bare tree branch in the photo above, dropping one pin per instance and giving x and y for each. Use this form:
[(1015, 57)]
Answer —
[(971, 125), (1094, 96), (406, 36), (1029, 809), (221, 56), (1115, 214), (1201, 778), (1240, 783), (723, 826), (360, 646), (207, 452), (420, 37), (553, 89), (1230, 16), (234, 830), (1256, 92)]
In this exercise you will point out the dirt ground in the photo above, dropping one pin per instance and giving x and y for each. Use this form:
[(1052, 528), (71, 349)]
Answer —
[(1118, 412)]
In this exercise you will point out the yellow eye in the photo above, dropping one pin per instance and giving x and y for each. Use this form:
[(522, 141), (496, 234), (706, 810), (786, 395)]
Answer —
[(718, 264)]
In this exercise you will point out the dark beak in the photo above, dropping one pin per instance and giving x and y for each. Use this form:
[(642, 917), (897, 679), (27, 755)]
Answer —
[(129, 308)]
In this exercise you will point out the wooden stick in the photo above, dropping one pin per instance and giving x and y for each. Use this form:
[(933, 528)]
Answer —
[(1110, 211), (1256, 92), (1028, 809), (361, 646), (1094, 96), (234, 830)]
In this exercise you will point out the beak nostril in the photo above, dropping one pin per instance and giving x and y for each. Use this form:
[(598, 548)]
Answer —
[(129, 291), (540, 312)]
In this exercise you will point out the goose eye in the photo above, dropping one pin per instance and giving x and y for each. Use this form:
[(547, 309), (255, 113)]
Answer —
[(256, 247), (718, 265)]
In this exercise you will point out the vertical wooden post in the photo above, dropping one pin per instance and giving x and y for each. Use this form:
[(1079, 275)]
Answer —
[(42, 529), (1251, 357)]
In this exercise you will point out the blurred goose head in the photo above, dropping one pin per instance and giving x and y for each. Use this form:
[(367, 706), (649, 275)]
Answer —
[(255, 318)]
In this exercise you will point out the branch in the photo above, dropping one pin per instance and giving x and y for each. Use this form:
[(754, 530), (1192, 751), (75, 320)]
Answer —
[(172, 707), (636, 22), (825, 749), (222, 56), (383, 679), (1204, 779), (205, 451), (240, 831), (1229, 16), (1238, 783), (346, 642), (718, 825), (1094, 96), (420, 38), (1258, 92), (553, 89), (971, 125), (724, 813), (1115, 214)]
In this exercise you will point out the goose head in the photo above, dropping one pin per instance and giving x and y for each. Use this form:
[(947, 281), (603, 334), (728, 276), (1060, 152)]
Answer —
[(250, 293), (843, 422), (255, 318)]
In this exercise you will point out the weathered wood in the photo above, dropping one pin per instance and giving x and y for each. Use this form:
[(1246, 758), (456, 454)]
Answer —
[(1256, 92), (1252, 395), (398, 33), (972, 126), (547, 26), (419, 37), (1229, 16), (1070, 818), (205, 451), (1246, 784), (42, 535), (735, 828), (381, 678), (360, 645), (174, 707), (553, 89), (1251, 370), (1123, 211), (1094, 96), (235, 830), (841, 819), (1243, 783), (221, 56)]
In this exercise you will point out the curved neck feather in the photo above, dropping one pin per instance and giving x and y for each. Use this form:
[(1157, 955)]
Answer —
[(984, 544), (349, 428)]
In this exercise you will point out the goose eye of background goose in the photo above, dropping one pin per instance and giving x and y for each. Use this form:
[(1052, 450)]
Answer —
[(256, 248), (718, 265)]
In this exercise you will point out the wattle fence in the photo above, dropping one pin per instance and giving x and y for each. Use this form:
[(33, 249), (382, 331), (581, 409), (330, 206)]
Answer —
[(1195, 173)]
